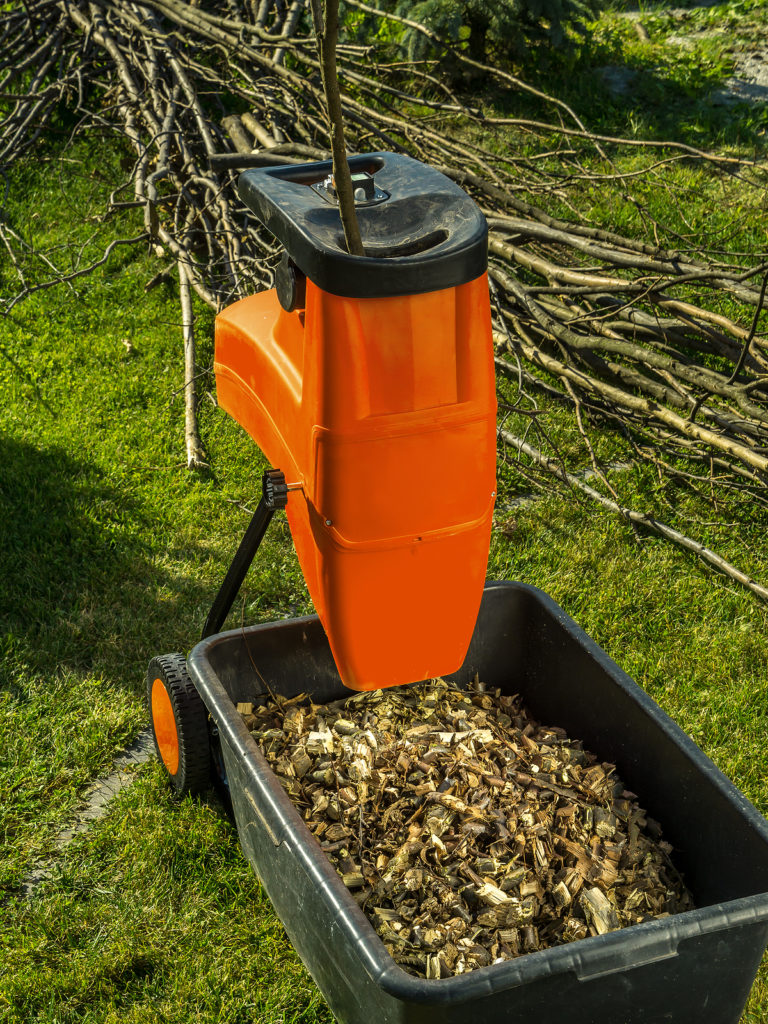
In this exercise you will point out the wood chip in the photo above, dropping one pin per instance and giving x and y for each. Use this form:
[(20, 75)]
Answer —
[(600, 911)]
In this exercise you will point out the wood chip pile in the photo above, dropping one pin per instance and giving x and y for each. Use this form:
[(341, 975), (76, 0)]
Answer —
[(468, 833)]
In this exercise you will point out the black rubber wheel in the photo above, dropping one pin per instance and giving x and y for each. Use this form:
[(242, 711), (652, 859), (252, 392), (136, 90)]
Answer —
[(179, 724)]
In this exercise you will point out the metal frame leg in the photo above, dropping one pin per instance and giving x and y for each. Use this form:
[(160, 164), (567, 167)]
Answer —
[(274, 496)]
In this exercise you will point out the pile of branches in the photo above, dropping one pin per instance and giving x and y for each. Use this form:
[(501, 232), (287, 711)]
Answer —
[(661, 340)]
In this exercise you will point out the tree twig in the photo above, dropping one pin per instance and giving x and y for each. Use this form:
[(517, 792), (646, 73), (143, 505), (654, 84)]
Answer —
[(327, 32), (638, 518), (195, 453)]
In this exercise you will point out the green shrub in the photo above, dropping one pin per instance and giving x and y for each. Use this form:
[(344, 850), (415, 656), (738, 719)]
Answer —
[(499, 29)]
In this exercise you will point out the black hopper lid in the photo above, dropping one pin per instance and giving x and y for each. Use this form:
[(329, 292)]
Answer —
[(420, 230)]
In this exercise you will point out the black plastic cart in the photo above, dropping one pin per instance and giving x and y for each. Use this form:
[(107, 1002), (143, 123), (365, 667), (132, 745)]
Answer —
[(689, 968)]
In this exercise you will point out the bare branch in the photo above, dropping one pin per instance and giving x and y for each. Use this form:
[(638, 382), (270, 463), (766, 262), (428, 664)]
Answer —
[(327, 32)]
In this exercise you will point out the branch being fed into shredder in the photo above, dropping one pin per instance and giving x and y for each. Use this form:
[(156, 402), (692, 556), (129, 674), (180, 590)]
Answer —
[(327, 33)]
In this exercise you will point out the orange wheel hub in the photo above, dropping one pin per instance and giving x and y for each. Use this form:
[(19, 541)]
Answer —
[(164, 723)]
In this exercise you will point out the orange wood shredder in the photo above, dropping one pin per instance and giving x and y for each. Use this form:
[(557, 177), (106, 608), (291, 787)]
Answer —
[(368, 382)]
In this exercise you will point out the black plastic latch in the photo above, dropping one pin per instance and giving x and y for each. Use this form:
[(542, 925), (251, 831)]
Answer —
[(274, 489), (290, 285)]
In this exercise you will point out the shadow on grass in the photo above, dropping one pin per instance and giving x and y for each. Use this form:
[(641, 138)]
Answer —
[(81, 588)]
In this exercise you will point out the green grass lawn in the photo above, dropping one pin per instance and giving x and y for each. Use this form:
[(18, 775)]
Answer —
[(654, 69), (111, 552)]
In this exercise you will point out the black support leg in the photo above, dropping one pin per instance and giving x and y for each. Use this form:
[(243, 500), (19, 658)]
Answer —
[(274, 496)]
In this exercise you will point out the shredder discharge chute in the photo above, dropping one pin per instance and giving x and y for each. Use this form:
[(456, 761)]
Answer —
[(369, 381)]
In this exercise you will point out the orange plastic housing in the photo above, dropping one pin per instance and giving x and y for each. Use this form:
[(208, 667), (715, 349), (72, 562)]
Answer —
[(384, 409)]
